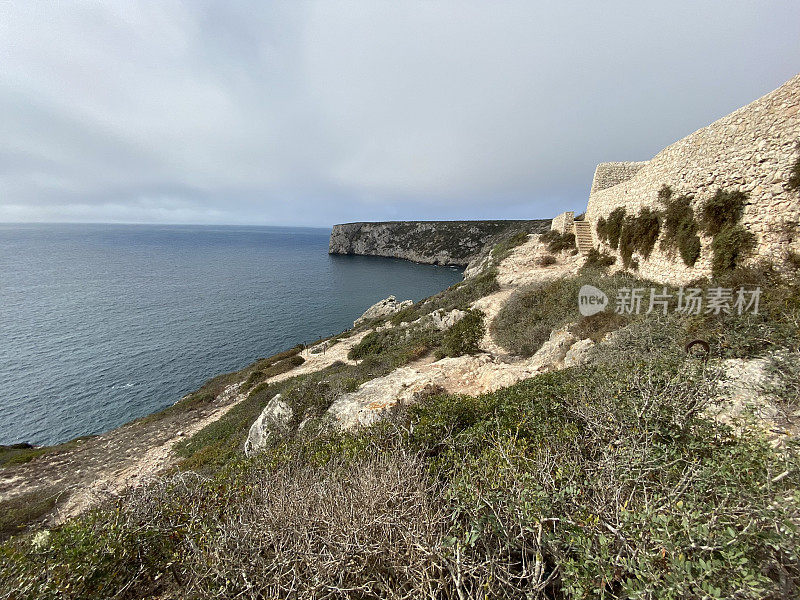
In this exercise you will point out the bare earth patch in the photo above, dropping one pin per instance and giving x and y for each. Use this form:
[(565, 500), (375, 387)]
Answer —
[(88, 471)]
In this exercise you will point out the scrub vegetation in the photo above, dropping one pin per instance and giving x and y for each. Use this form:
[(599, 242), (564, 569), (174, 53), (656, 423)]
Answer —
[(606, 480)]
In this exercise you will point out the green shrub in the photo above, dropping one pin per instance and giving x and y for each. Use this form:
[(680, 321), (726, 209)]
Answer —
[(793, 258), (558, 242), (546, 260), (724, 209), (504, 248), (252, 379), (599, 481), (639, 234), (599, 260), (530, 315), (465, 336), (21, 510), (730, 246), (596, 326), (680, 226), (460, 296)]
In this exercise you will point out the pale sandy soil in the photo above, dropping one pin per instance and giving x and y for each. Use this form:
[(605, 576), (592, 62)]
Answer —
[(105, 465), (486, 372)]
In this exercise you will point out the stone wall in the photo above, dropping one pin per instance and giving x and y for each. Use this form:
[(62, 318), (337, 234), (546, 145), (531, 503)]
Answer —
[(454, 243), (752, 150), (563, 222), (609, 174)]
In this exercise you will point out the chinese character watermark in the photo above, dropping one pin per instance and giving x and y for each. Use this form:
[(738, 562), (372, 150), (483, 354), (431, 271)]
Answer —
[(684, 300)]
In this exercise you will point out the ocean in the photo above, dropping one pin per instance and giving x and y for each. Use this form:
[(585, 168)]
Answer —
[(102, 324)]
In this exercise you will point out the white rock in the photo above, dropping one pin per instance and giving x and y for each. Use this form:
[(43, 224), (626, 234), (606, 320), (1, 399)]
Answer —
[(578, 353), (273, 419), (552, 353), (384, 308), (445, 320), (742, 390)]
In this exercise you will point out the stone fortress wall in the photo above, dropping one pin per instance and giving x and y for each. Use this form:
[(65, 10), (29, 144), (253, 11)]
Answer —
[(609, 174), (563, 222), (752, 150)]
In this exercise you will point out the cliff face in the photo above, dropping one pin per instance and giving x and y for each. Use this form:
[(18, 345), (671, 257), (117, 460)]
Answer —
[(453, 243)]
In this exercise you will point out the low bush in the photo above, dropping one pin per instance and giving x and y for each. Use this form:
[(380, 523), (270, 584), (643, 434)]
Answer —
[(460, 295), (596, 259), (546, 260), (16, 454), (596, 326), (639, 234), (558, 242), (503, 249), (793, 258), (416, 341), (465, 336), (598, 481), (531, 314), (610, 229), (730, 246), (22, 510)]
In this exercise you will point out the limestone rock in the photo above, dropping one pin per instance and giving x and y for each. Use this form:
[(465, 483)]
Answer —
[(454, 243), (383, 308), (273, 419), (445, 320), (553, 351), (742, 389), (578, 353)]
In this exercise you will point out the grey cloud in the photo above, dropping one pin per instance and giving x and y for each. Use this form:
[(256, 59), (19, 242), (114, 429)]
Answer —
[(314, 113)]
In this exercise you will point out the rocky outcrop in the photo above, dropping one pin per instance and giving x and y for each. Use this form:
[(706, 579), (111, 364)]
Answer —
[(274, 419), (453, 243), (382, 308), (579, 353)]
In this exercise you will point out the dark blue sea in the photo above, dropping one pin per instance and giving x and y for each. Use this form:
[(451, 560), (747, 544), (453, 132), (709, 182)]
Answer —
[(101, 324)]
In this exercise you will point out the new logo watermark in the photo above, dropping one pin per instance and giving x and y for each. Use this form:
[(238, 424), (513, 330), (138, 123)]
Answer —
[(591, 300), (688, 301)]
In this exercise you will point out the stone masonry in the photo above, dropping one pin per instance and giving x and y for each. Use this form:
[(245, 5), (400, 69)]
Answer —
[(752, 150), (563, 222)]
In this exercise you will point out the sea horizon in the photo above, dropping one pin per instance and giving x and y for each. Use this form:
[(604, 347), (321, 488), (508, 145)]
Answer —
[(109, 322)]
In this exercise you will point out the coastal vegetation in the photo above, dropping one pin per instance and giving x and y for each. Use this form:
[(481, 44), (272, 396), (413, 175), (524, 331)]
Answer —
[(680, 226), (607, 480), (558, 242)]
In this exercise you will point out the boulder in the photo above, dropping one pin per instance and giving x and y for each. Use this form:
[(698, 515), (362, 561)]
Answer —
[(578, 353), (551, 354), (384, 308), (445, 320), (274, 419)]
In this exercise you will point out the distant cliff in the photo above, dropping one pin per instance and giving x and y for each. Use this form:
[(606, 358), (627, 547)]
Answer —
[(432, 242)]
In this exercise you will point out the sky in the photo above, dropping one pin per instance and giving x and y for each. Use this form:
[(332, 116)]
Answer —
[(294, 113)]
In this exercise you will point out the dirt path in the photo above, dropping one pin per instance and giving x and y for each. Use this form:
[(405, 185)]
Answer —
[(85, 472)]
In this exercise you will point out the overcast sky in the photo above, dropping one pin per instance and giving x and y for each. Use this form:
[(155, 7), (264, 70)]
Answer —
[(310, 114)]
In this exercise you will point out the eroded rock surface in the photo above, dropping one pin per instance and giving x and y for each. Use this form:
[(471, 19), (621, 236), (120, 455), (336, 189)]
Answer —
[(383, 308), (273, 419)]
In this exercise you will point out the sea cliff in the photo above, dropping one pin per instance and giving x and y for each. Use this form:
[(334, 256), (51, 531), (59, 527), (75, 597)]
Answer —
[(452, 243)]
